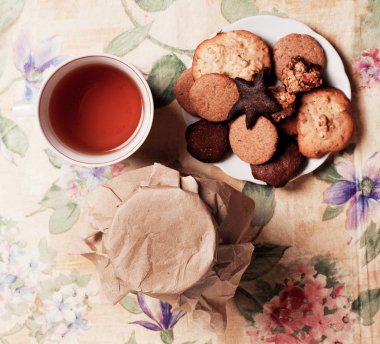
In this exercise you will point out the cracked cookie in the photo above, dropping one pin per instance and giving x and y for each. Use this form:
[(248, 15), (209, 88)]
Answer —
[(294, 45), (287, 101), (238, 54), (301, 76)]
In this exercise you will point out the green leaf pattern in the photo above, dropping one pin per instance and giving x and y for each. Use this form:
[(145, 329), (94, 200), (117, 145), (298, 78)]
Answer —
[(162, 78), (154, 5), (127, 41), (10, 10), (367, 305), (13, 140), (371, 242), (265, 202)]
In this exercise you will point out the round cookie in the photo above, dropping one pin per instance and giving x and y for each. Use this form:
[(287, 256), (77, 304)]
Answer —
[(285, 164), (295, 45), (182, 89), (212, 96), (207, 141), (237, 53), (256, 145), (325, 123), (289, 125)]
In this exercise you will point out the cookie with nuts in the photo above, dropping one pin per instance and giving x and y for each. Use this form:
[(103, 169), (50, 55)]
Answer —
[(297, 45), (301, 76), (325, 123), (238, 54), (286, 99)]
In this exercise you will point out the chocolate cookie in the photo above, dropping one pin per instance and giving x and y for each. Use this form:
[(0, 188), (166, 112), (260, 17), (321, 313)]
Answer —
[(212, 96), (285, 164), (254, 100), (207, 141), (325, 123), (289, 125), (256, 145), (294, 45), (182, 89), (235, 53), (287, 101)]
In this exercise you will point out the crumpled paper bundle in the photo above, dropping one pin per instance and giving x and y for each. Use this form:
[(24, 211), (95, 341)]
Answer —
[(173, 237)]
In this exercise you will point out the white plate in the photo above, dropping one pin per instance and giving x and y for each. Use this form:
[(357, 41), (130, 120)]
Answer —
[(271, 29)]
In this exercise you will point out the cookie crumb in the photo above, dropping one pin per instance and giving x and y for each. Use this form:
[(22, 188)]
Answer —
[(285, 99)]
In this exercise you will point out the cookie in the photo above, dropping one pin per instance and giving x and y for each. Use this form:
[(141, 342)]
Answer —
[(294, 45), (325, 123), (234, 53), (182, 89), (284, 166), (254, 99), (287, 101), (212, 96), (207, 141), (256, 145), (289, 125), (301, 76)]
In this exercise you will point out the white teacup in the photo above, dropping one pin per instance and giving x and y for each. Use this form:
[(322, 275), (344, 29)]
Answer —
[(106, 158)]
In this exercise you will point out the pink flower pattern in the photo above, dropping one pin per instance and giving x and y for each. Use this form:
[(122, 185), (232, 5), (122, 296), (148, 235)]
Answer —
[(80, 180), (305, 311), (366, 68)]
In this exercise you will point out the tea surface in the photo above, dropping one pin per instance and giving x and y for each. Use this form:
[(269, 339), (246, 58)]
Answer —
[(95, 108)]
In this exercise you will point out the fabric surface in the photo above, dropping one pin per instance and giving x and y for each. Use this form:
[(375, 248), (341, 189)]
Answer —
[(316, 271)]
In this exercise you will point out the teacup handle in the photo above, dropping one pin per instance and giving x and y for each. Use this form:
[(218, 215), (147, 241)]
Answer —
[(25, 109)]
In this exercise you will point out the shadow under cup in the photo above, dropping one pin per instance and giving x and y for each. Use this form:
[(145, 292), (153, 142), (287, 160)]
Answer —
[(102, 158)]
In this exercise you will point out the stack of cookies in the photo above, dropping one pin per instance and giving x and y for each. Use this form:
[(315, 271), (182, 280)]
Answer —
[(230, 86)]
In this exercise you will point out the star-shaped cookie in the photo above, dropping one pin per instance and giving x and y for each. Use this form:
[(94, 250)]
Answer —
[(254, 99)]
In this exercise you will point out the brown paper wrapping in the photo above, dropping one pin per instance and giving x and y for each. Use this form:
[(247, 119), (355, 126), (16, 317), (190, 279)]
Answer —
[(177, 238)]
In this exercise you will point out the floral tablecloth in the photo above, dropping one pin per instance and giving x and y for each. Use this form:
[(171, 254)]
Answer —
[(315, 272)]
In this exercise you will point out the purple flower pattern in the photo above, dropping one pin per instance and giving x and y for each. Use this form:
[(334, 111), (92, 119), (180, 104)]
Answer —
[(163, 316), (32, 62), (360, 189)]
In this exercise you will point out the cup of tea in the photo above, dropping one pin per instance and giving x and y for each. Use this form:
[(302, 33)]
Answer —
[(95, 110)]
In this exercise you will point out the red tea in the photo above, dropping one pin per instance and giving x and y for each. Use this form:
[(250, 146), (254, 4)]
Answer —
[(95, 108)]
